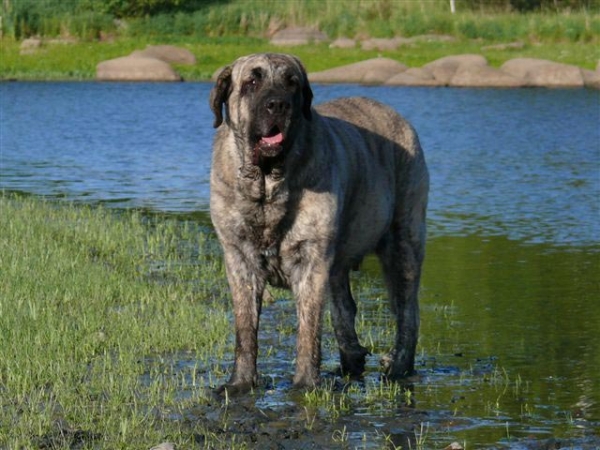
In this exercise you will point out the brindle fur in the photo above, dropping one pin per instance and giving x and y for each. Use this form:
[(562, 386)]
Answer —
[(349, 179)]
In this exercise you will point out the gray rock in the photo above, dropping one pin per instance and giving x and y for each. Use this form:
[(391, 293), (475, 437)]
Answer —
[(30, 46), (413, 77), (298, 36), (395, 42), (544, 73), (484, 76), (167, 53), (433, 38), (591, 78), (444, 69), (164, 446), (343, 43), (136, 68), (371, 71)]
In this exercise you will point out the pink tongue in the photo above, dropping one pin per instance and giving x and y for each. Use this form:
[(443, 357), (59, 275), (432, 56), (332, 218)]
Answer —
[(272, 140)]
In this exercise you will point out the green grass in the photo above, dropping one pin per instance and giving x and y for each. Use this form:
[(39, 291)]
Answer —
[(94, 308), (222, 31), (113, 325), (378, 18), (78, 61)]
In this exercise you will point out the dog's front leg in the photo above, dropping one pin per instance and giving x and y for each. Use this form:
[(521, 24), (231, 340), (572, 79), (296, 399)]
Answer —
[(311, 290), (247, 286)]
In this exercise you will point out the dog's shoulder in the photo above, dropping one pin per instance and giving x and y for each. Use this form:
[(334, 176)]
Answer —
[(371, 117)]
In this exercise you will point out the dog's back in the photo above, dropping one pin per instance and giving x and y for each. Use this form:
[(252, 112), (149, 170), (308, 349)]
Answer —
[(388, 180)]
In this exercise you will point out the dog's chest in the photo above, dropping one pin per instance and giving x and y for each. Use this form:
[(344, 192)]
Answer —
[(255, 186), (268, 227), (263, 201)]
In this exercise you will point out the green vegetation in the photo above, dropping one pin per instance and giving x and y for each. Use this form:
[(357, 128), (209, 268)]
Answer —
[(95, 309), (114, 325), (216, 32), (555, 20)]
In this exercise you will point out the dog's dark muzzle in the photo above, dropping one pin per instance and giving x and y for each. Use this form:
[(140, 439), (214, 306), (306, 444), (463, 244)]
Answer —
[(277, 106), (272, 119)]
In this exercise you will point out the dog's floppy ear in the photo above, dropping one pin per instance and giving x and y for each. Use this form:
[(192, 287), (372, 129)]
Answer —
[(307, 96), (219, 94)]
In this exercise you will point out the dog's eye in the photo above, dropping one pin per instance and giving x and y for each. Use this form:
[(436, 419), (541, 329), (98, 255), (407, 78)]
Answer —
[(257, 74), (250, 85), (293, 81)]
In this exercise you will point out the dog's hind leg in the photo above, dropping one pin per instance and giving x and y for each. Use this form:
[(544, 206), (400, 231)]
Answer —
[(352, 354), (401, 258)]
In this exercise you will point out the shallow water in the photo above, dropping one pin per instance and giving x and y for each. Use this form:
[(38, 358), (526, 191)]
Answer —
[(509, 347)]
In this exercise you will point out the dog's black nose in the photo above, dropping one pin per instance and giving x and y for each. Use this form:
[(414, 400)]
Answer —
[(276, 106)]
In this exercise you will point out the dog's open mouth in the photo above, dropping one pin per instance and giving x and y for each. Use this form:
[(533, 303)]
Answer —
[(274, 137), (269, 145)]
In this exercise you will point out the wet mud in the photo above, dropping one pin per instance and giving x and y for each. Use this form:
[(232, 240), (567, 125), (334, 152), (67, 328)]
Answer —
[(426, 412)]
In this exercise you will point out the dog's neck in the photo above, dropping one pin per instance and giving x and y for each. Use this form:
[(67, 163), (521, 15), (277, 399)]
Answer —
[(261, 183)]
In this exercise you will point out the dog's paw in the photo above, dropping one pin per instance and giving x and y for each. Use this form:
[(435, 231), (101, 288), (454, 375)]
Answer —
[(352, 362), (233, 389), (386, 362), (396, 368)]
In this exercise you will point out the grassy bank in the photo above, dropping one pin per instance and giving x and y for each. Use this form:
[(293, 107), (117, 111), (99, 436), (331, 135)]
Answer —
[(114, 329), (93, 307), (221, 31), (78, 61), (114, 326)]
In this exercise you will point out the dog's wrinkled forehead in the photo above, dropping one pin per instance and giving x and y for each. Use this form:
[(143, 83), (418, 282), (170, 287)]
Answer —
[(272, 66)]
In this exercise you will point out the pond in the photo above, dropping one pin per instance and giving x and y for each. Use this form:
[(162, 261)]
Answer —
[(511, 290)]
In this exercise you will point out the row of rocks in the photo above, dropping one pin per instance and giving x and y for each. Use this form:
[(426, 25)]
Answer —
[(154, 64), (459, 71), (463, 71)]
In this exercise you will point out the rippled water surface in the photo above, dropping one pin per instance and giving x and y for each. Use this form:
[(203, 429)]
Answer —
[(511, 289), (523, 163)]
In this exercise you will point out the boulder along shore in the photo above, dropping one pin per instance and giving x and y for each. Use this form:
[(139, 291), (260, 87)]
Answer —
[(467, 70)]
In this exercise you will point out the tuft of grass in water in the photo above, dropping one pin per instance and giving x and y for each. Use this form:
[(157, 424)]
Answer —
[(95, 307), (421, 435)]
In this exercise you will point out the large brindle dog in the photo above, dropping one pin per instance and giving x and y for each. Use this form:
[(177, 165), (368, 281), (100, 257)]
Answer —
[(299, 195)]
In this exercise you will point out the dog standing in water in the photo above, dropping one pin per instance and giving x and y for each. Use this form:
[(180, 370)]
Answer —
[(299, 195)]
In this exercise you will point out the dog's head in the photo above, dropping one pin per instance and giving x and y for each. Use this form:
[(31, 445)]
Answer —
[(266, 97)]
